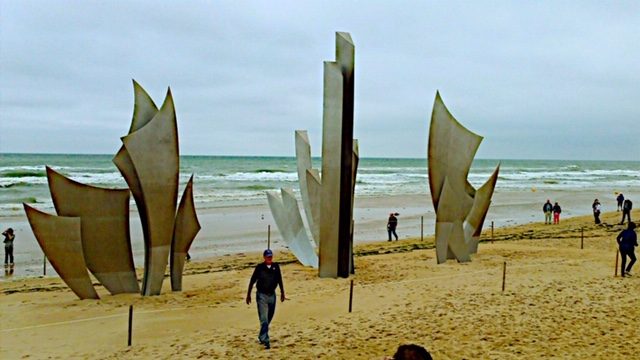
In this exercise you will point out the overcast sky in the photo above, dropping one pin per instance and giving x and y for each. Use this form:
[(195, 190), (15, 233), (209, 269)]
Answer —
[(537, 79)]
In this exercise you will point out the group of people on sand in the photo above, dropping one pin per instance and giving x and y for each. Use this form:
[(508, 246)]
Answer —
[(549, 209), (623, 204)]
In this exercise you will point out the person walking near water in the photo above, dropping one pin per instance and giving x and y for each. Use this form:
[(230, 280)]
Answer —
[(620, 200), (547, 209), (556, 213), (627, 241), (596, 211), (9, 236), (392, 224), (626, 211), (267, 275)]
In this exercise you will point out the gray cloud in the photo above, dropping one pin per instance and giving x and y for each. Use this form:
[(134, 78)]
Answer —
[(537, 79)]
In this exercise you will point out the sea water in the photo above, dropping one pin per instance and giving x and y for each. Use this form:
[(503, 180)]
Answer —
[(243, 180), (230, 181)]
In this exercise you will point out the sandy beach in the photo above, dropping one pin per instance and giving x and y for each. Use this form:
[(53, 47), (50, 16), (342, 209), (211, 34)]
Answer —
[(560, 301), (231, 230)]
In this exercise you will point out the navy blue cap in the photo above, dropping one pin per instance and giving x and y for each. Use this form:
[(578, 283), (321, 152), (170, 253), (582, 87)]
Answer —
[(267, 252)]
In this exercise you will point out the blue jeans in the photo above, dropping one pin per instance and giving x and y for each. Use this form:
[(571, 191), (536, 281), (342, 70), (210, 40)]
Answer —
[(266, 309)]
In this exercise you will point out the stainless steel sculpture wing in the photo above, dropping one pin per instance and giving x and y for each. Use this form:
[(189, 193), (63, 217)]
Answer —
[(60, 239), (286, 213), (185, 230), (105, 229), (460, 209)]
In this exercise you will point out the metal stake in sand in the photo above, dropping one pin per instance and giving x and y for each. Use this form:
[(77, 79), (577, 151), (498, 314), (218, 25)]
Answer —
[(492, 232), (351, 296), (44, 265), (421, 228), (616, 272), (504, 275), (268, 236), (130, 324), (581, 238)]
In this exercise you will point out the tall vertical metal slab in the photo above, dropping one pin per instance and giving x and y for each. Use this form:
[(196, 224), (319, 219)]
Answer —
[(153, 150), (105, 229), (60, 239), (185, 229), (337, 161)]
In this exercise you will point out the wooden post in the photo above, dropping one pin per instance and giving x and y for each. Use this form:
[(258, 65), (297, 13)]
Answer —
[(130, 324), (351, 296), (504, 275), (616, 272), (269, 236), (44, 265), (421, 228), (492, 232), (582, 238)]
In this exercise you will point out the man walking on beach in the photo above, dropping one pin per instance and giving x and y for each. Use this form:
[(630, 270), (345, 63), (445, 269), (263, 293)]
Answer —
[(9, 236), (546, 208), (626, 211), (627, 241), (620, 199), (392, 224), (268, 277)]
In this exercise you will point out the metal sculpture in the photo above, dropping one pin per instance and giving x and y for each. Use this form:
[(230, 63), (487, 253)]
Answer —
[(286, 213), (185, 230), (338, 170), (104, 214), (149, 162), (460, 209), (61, 240)]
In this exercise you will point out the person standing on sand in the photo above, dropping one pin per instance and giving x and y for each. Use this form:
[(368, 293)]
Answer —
[(627, 241), (620, 199), (9, 236), (392, 224), (596, 211), (267, 275), (547, 209), (556, 213), (626, 211)]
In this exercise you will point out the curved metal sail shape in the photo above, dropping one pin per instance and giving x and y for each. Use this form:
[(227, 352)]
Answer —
[(60, 239), (286, 213), (309, 202), (460, 209), (153, 150), (185, 230), (105, 229)]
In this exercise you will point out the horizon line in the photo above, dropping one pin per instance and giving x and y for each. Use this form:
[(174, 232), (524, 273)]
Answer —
[(317, 157)]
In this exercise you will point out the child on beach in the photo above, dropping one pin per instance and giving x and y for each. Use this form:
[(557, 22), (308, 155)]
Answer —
[(627, 241), (9, 236), (556, 213), (620, 200)]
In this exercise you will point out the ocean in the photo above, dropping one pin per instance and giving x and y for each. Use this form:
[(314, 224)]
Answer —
[(222, 181)]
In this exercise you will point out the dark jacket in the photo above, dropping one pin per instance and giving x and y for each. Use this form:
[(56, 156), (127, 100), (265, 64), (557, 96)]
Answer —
[(547, 207), (267, 279), (557, 209), (627, 206), (392, 223), (627, 239)]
